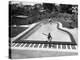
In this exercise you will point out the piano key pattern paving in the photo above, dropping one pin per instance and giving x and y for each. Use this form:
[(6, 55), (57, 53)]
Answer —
[(50, 47)]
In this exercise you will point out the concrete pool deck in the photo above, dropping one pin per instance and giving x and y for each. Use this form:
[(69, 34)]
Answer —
[(22, 54)]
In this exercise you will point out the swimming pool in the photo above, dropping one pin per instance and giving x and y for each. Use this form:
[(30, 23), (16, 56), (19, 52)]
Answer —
[(38, 34)]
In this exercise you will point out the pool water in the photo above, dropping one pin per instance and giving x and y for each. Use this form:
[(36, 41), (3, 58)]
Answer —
[(42, 32)]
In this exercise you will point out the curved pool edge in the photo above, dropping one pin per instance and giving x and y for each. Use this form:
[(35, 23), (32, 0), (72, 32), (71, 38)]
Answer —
[(59, 26)]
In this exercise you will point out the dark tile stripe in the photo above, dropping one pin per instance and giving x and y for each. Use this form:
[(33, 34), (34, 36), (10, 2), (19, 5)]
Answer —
[(73, 47), (18, 45), (13, 45), (22, 45), (68, 46), (27, 44), (49, 45), (36, 45), (63, 46), (54, 46), (40, 45), (31, 45), (59, 46), (45, 46)]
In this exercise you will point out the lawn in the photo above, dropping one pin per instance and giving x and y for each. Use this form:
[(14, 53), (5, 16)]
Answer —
[(14, 31)]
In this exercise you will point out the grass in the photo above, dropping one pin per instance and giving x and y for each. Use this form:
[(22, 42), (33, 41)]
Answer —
[(14, 31)]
